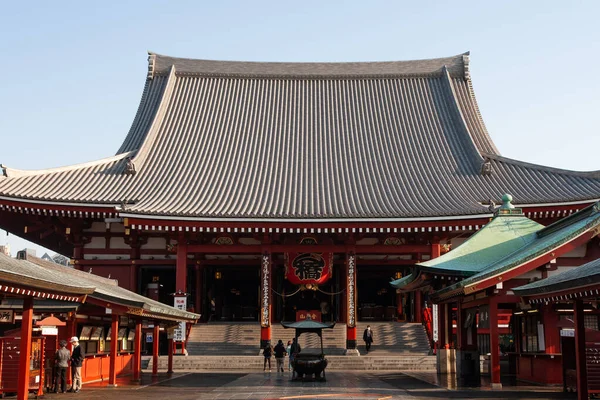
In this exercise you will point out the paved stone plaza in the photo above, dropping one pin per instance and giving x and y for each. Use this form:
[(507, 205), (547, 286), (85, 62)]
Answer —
[(253, 385)]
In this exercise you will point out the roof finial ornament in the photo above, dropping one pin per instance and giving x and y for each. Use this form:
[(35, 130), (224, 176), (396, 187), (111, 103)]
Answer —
[(4, 171), (151, 65), (486, 167), (492, 206), (506, 202), (466, 60), (129, 167)]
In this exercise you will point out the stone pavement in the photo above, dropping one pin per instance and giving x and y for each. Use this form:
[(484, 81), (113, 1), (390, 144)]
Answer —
[(253, 385)]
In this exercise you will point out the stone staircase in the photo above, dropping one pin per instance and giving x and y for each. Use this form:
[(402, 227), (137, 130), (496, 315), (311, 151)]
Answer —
[(243, 339), (224, 339), (400, 362)]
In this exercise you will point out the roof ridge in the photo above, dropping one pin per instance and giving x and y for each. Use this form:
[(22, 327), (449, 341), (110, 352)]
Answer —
[(584, 174), (15, 173), (159, 63), (155, 125), (478, 159)]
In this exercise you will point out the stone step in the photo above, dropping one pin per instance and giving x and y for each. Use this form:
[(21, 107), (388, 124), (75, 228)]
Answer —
[(244, 338), (399, 363)]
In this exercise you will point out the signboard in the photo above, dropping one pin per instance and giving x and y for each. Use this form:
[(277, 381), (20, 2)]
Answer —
[(179, 333), (567, 332), (49, 330), (148, 337), (265, 309), (484, 317), (7, 316), (314, 315)]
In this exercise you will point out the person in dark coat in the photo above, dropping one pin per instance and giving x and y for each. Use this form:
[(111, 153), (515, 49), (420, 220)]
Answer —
[(268, 353), (76, 363), (61, 360), (280, 353), (368, 337)]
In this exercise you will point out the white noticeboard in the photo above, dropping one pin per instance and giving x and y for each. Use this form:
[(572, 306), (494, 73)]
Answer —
[(179, 334), (541, 339)]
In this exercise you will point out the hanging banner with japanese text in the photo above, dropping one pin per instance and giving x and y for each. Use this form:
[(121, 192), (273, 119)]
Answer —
[(179, 333)]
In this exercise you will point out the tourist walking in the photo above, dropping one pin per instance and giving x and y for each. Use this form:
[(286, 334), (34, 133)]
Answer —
[(268, 353), (76, 363), (280, 353), (368, 337), (61, 362)]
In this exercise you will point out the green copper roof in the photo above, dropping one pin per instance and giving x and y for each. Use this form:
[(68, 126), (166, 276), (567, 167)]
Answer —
[(400, 283), (577, 277), (507, 232), (533, 246), (503, 235)]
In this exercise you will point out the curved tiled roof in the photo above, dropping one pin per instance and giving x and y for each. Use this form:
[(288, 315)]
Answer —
[(578, 277), (221, 139)]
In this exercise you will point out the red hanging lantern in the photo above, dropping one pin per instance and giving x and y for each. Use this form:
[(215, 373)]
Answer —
[(308, 268)]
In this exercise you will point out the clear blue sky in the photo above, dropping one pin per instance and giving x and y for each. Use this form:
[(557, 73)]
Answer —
[(73, 72)]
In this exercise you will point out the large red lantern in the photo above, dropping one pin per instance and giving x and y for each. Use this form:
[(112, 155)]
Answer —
[(309, 267)]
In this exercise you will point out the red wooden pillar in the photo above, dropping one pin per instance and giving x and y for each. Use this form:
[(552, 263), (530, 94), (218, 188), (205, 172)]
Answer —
[(265, 300), (418, 306), (181, 266), (137, 353), (435, 250), (25, 349), (582, 378), (198, 299), (155, 338), (494, 344), (71, 331), (461, 333), (170, 357), (114, 349), (351, 301)]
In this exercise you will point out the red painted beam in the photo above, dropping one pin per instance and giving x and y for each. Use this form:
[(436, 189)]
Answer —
[(25, 349), (114, 348), (257, 249)]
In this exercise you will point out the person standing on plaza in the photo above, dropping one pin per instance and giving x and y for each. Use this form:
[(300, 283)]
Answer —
[(280, 353), (294, 350), (61, 359), (76, 363), (288, 348), (267, 353), (368, 337)]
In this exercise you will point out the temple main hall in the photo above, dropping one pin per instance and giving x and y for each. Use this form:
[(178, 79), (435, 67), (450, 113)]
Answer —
[(256, 193)]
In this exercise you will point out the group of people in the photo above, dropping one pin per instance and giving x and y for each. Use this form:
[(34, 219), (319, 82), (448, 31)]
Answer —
[(62, 359), (281, 351)]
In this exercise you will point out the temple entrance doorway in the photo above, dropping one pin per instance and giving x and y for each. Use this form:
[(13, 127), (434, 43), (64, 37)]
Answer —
[(377, 300), (232, 293)]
